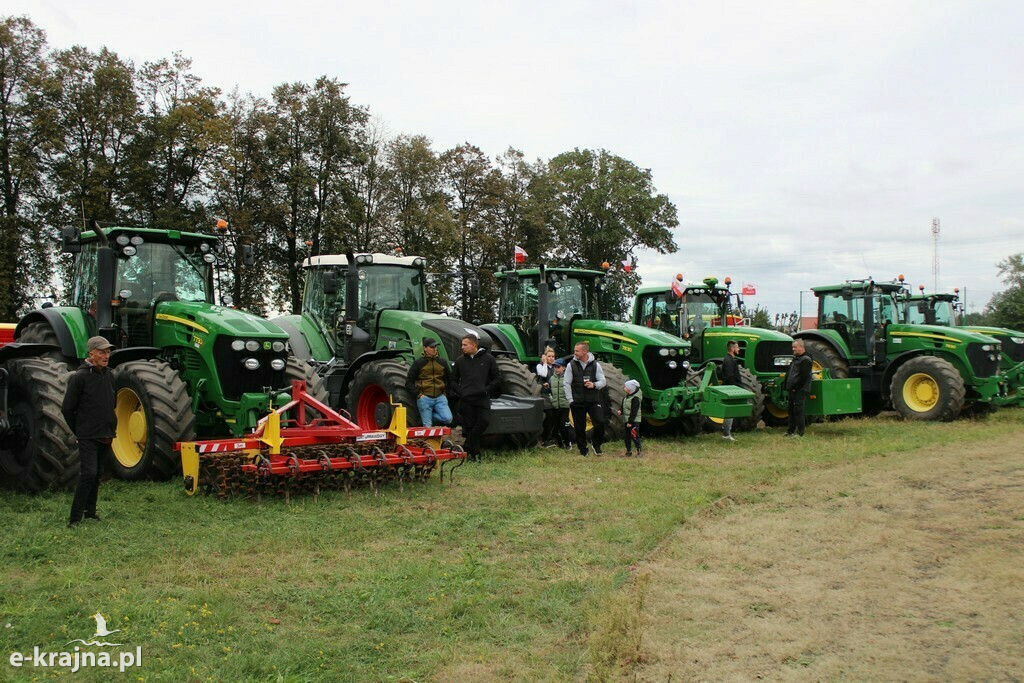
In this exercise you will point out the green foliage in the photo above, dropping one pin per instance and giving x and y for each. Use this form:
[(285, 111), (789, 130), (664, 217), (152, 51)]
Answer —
[(759, 317), (1006, 308)]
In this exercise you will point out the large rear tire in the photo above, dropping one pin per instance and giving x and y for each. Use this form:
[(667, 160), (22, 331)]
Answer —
[(369, 391), (615, 379), (154, 411), (40, 451), (40, 332), (927, 388), (298, 369), (516, 380)]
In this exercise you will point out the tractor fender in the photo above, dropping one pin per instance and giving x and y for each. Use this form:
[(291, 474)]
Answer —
[(19, 350), (839, 346), (119, 356), (60, 327), (299, 343), (362, 360), (500, 337)]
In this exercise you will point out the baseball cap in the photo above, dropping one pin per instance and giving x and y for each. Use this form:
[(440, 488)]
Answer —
[(429, 341), (95, 343), (561, 362)]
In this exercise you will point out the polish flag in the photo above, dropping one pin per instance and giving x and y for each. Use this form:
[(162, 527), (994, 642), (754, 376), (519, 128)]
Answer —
[(520, 254), (677, 286), (627, 266), (749, 289)]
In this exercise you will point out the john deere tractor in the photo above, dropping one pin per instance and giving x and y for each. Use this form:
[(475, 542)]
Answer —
[(926, 372), (945, 310), (185, 366), (704, 315), (560, 307), (364, 317)]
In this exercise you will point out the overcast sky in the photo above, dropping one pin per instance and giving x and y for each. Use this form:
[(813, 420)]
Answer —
[(803, 143)]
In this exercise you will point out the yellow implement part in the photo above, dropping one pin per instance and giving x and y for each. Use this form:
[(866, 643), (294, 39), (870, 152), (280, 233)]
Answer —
[(190, 467), (272, 433), (398, 425)]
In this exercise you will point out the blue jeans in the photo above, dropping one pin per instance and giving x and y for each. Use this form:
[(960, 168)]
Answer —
[(434, 410)]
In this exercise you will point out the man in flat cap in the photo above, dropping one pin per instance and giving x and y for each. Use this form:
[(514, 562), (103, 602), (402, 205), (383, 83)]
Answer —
[(89, 411), (428, 379)]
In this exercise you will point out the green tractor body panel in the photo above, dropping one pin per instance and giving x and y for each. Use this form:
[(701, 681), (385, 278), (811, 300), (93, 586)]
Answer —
[(705, 317), (945, 310), (927, 371), (561, 307), (307, 340)]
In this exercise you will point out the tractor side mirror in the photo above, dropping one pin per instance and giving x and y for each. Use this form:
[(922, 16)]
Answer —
[(330, 282), (474, 287), (922, 307), (248, 258), (71, 242), (847, 293)]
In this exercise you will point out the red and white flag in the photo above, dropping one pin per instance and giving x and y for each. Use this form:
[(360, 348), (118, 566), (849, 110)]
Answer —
[(749, 289), (627, 266), (520, 254), (677, 286)]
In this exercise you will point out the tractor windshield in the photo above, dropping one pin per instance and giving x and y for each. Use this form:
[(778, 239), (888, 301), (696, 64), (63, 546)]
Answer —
[(577, 296), (700, 311), (168, 271), (388, 286)]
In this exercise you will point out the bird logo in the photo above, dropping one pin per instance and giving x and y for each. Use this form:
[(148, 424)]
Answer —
[(101, 632)]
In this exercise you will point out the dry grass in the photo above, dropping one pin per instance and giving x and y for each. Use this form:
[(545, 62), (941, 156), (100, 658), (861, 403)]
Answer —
[(908, 567)]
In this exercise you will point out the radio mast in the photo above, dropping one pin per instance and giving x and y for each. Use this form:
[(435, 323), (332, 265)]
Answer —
[(935, 255)]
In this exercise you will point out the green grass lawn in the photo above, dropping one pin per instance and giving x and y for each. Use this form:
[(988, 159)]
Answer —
[(506, 574)]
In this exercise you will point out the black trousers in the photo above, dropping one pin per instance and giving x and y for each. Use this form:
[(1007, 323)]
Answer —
[(476, 415), (556, 425), (579, 417), (796, 412), (632, 436), (91, 456)]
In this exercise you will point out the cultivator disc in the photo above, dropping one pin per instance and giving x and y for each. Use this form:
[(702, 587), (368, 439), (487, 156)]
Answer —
[(318, 449)]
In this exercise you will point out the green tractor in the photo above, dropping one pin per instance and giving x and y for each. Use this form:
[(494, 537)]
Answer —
[(559, 307), (704, 315), (364, 317), (185, 366), (926, 372), (945, 310)]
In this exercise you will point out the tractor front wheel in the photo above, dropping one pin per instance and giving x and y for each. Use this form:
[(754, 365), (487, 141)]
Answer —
[(40, 332), (154, 411), (39, 451), (371, 389), (928, 388)]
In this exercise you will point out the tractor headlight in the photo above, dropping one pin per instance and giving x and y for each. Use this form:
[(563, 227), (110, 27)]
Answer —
[(783, 360), (663, 352), (992, 356), (986, 347), (123, 241), (209, 258), (136, 241), (673, 352), (227, 299), (237, 345), (278, 347), (251, 364), (686, 365), (129, 251), (276, 364), (419, 262), (204, 247), (362, 274), (1017, 340), (672, 365), (252, 346)]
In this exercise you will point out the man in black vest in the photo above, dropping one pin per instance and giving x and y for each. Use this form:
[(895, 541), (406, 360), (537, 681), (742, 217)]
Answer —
[(584, 380), (475, 379), (798, 386), (88, 409), (730, 377)]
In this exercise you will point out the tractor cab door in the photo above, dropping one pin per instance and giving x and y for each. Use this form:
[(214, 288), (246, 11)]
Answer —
[(84, 285), (845, 313), (519, 308)]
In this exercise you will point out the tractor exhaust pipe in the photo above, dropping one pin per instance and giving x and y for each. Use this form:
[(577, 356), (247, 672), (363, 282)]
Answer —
[(106, 274), (542, 310)]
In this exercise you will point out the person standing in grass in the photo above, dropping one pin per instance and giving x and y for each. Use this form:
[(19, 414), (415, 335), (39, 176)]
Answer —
[(631, 413), (88, 409), (428, 380), (560, 404), (584, 380), (546, 379), (798, 386), (475, 379), (730, 377)]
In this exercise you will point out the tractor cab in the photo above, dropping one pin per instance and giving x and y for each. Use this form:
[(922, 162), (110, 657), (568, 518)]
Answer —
[(699, 308), (860, 311), (542, 304), (933, 309)]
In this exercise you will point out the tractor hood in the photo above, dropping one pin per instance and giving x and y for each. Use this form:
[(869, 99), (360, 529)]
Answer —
[(749, 333), (213, 320), (940, 333), (415, 325), (627, 333), (1012, 340)]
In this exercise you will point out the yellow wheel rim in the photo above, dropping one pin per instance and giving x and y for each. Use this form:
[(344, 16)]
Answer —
[(920, 392), (130, 436), (775, 410), (654, 422), (717, 420)]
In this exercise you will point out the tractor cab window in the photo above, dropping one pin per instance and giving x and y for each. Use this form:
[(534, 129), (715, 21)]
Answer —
[(519, 306), (383, 287), (845, 316), (886, 310), (700, 311), (655, 313), (83, 296), (165, 272), (326, 309), (917, 312), (575, 297), (944, 312)]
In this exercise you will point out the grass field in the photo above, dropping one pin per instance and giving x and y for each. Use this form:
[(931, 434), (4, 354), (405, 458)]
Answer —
[(521, 570)]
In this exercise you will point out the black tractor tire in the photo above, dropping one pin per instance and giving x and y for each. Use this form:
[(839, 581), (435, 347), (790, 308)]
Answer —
[(914, 384), (773, 415), (40, 453), (40, 332), (298, 369), (516, 380), (154, 412), (828, 358), (369, 391), (615, 379)]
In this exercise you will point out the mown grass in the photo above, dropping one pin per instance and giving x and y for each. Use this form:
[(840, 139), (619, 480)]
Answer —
[(506, 574)]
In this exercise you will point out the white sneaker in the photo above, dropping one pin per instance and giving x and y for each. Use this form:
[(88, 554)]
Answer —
[(728, 437)]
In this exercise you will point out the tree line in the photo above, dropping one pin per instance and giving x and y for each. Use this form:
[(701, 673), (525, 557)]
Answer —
[(87, 134)]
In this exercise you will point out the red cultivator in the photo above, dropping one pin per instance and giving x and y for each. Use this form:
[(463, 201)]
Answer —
[(316, 448)]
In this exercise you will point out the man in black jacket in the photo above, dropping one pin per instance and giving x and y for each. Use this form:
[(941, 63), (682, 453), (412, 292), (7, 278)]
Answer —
[(798, 386), (475, 379), (730, 377), (428, 380), (88, 409), (584, 381)]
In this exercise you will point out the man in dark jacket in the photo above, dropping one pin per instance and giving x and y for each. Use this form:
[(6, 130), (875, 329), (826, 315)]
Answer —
[(475, 379), (583, 382), (730, 377), (798, 386), (428, 380), (88, 409)]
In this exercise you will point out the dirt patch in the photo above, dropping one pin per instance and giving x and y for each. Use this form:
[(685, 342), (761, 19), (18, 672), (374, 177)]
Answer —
[(907, 567)]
